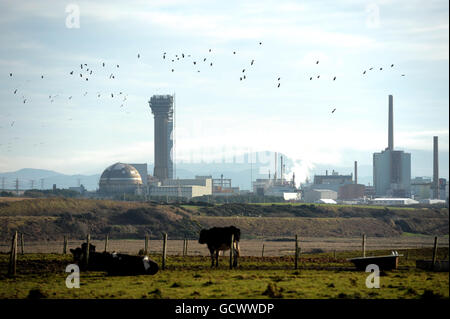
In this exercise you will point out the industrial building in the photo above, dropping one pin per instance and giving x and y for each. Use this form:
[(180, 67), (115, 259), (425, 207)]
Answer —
[(351, 192), (120, 178), (390, 201), (315, 195), (183, 188), (421, 188), (276, 186), (222, 187), (391, 168), (162, 107), (331, 182)]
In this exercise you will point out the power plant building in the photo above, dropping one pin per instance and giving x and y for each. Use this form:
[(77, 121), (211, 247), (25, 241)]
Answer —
[(162, 109), (315, 195), (392, 169), (183, 188), (120, 178)]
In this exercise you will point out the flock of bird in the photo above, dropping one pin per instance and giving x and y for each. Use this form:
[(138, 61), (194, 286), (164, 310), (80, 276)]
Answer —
[(86, 72)]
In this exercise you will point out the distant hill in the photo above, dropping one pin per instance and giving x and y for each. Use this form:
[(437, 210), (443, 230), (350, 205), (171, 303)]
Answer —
[(29, 176)]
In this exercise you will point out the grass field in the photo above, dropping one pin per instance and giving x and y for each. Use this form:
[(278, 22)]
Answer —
[(319, 276)]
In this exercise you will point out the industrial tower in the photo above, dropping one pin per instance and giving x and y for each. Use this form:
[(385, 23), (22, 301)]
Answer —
[(162, 109)]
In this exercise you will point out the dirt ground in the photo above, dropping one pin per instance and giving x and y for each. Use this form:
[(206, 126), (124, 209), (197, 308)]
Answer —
[(247, 247), (13, 199)]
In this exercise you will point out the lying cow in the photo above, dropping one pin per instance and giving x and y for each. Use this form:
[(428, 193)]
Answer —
[(114, 263), (219, 238)]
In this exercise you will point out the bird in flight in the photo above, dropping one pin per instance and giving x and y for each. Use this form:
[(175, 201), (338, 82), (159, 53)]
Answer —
[(139, 55), (260, 43), (403, 75), (318, 76), (12, 123), (10, 74), (364, 72), (195, 62), (15, 91), (370, 69), (172, 70), (279, 79), (42, 76), (334, 78), (234, 52), (381, 69), (252, 62), (210, 64), (103, 64), (392, 65), (279, 84), (204, 59), (71, 72), (243, 70), (209, 50), (333, 111), (317, 62), (310, 78)]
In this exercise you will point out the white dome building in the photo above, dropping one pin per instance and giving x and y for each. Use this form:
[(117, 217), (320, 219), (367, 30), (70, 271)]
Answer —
[(120, 178)]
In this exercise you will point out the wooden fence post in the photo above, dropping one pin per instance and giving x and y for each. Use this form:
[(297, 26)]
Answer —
[(65, 245), (21, 243), (262, 252), (364, 245), (164, 251), (296, 252), (146, 245), (106, 242), (13, 256), (433, 261), (88, 240), (231, 251)]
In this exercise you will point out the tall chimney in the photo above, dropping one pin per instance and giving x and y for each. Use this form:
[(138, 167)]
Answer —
[(356, 172), (275, 172), (391, 123), (435, 168), (281, 169)]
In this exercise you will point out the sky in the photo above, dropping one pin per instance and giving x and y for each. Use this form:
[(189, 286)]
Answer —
[(64, 123)]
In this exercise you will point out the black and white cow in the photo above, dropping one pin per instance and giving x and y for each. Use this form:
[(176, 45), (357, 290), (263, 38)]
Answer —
[(219, 238), (114, 263)]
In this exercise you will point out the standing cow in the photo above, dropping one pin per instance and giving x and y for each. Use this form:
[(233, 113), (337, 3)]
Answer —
[(219, 238)]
